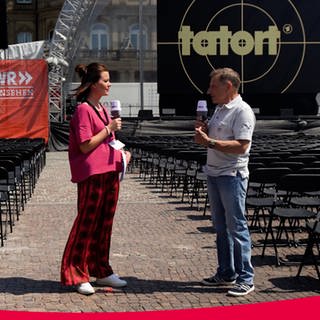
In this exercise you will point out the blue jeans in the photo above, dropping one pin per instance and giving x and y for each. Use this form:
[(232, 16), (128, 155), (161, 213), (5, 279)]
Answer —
[(227, 196)]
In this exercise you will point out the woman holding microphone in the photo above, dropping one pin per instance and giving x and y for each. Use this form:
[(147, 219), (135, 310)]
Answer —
[(95, 166)]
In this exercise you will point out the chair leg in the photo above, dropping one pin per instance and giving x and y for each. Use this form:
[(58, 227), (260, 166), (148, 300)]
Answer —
[(205, 205), (11, 217), (269, 230), (309, 253), (1, 229), (306, 254)]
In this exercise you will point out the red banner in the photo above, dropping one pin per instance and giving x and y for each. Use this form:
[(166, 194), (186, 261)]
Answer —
[(288, 309), (24, 99)]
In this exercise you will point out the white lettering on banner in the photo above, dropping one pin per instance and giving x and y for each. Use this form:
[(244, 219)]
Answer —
[(15, 85), (12, 78), (24, 77), (17, 93)]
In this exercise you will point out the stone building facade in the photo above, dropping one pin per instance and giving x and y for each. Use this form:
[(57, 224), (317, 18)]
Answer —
[(111, 36)]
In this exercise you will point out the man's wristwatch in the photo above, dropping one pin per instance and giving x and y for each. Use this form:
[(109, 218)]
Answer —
[(211, 143)]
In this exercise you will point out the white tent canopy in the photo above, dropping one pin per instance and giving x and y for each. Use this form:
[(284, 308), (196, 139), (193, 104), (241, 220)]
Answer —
[(24, 51)]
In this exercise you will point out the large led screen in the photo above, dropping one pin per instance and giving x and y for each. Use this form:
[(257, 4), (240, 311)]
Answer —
[(274, 45)]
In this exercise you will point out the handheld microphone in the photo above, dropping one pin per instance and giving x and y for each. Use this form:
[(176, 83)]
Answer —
[(115, 109), (202, 110)]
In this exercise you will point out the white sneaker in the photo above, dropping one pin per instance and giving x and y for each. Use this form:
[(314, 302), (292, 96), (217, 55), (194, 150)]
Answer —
[(85, 288), (112, 281)]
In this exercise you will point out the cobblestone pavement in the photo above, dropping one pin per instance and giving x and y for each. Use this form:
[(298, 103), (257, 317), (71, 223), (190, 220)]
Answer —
[(161, 246)]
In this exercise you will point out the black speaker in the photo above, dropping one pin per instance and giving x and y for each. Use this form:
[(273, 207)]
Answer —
[(3, 25), (145, 115)]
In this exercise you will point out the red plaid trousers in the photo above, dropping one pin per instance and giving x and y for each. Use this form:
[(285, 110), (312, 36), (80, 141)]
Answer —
[(87, 250)]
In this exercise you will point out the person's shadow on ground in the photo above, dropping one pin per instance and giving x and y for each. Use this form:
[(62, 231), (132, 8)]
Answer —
[(294, 284), (20, 286)]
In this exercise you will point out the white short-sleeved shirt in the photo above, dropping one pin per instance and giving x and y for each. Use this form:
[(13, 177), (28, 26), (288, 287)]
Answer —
[(233, 121)]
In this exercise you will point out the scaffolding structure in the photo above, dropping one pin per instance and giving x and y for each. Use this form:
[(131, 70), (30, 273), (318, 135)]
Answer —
[(65, 41), (69, 38)]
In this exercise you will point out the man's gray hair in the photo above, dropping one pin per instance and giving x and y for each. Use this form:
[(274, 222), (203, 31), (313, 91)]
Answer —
[(227, 74)]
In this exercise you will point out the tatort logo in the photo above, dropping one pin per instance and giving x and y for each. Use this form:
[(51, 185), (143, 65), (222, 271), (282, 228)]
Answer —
[(265, 41), (212, 43)]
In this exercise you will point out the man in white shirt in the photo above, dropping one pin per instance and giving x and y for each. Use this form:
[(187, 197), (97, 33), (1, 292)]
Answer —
[(228, 137)]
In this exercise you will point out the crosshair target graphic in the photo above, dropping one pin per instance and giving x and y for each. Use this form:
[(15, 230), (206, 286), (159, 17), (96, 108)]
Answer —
[(254, 40)]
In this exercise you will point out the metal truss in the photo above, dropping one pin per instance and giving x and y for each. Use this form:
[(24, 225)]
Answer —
[(62, 49)]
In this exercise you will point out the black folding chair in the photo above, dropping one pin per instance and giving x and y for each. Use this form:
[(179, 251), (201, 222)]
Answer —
[(290, 213), (4, 200), (261, 202), (313, 229)]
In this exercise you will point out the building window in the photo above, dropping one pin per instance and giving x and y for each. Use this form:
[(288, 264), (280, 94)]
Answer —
[(23, 37), (137, 2), (99, 37), (23, 1), (51, 34), (135, 37), (114, 76)]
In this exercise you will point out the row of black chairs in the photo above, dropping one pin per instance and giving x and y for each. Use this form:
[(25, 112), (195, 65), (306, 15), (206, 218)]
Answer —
[(21, 162), (283, 196), (175, 164), (282, 203)]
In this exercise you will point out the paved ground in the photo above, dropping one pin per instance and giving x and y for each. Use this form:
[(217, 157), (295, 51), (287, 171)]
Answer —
[(160, 246)]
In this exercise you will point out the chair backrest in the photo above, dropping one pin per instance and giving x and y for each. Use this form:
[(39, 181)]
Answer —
[(283, 154), (268, 175), (255, 165), (315, 155), (4, 175), (265, 159), (294, 166), (300, 182), (302, 158), (309, 170), (314, 164), (7, 164), (314, 151)]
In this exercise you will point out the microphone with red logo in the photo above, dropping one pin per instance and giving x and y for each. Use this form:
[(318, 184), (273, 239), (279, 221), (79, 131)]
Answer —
[(115, 109), (202, 110)]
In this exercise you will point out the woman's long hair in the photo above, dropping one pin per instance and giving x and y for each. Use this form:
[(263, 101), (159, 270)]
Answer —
[(89, 75)]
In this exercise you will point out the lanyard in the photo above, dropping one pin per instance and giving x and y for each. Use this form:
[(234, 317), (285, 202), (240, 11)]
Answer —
[(98, 113)]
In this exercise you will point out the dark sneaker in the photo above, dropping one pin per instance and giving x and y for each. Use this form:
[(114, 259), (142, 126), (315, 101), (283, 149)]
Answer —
[(241, 289), (216, 281)]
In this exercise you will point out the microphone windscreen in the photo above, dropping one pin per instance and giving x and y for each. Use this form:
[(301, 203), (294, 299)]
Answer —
[(202, 105), (202, 110), (115, 108)]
